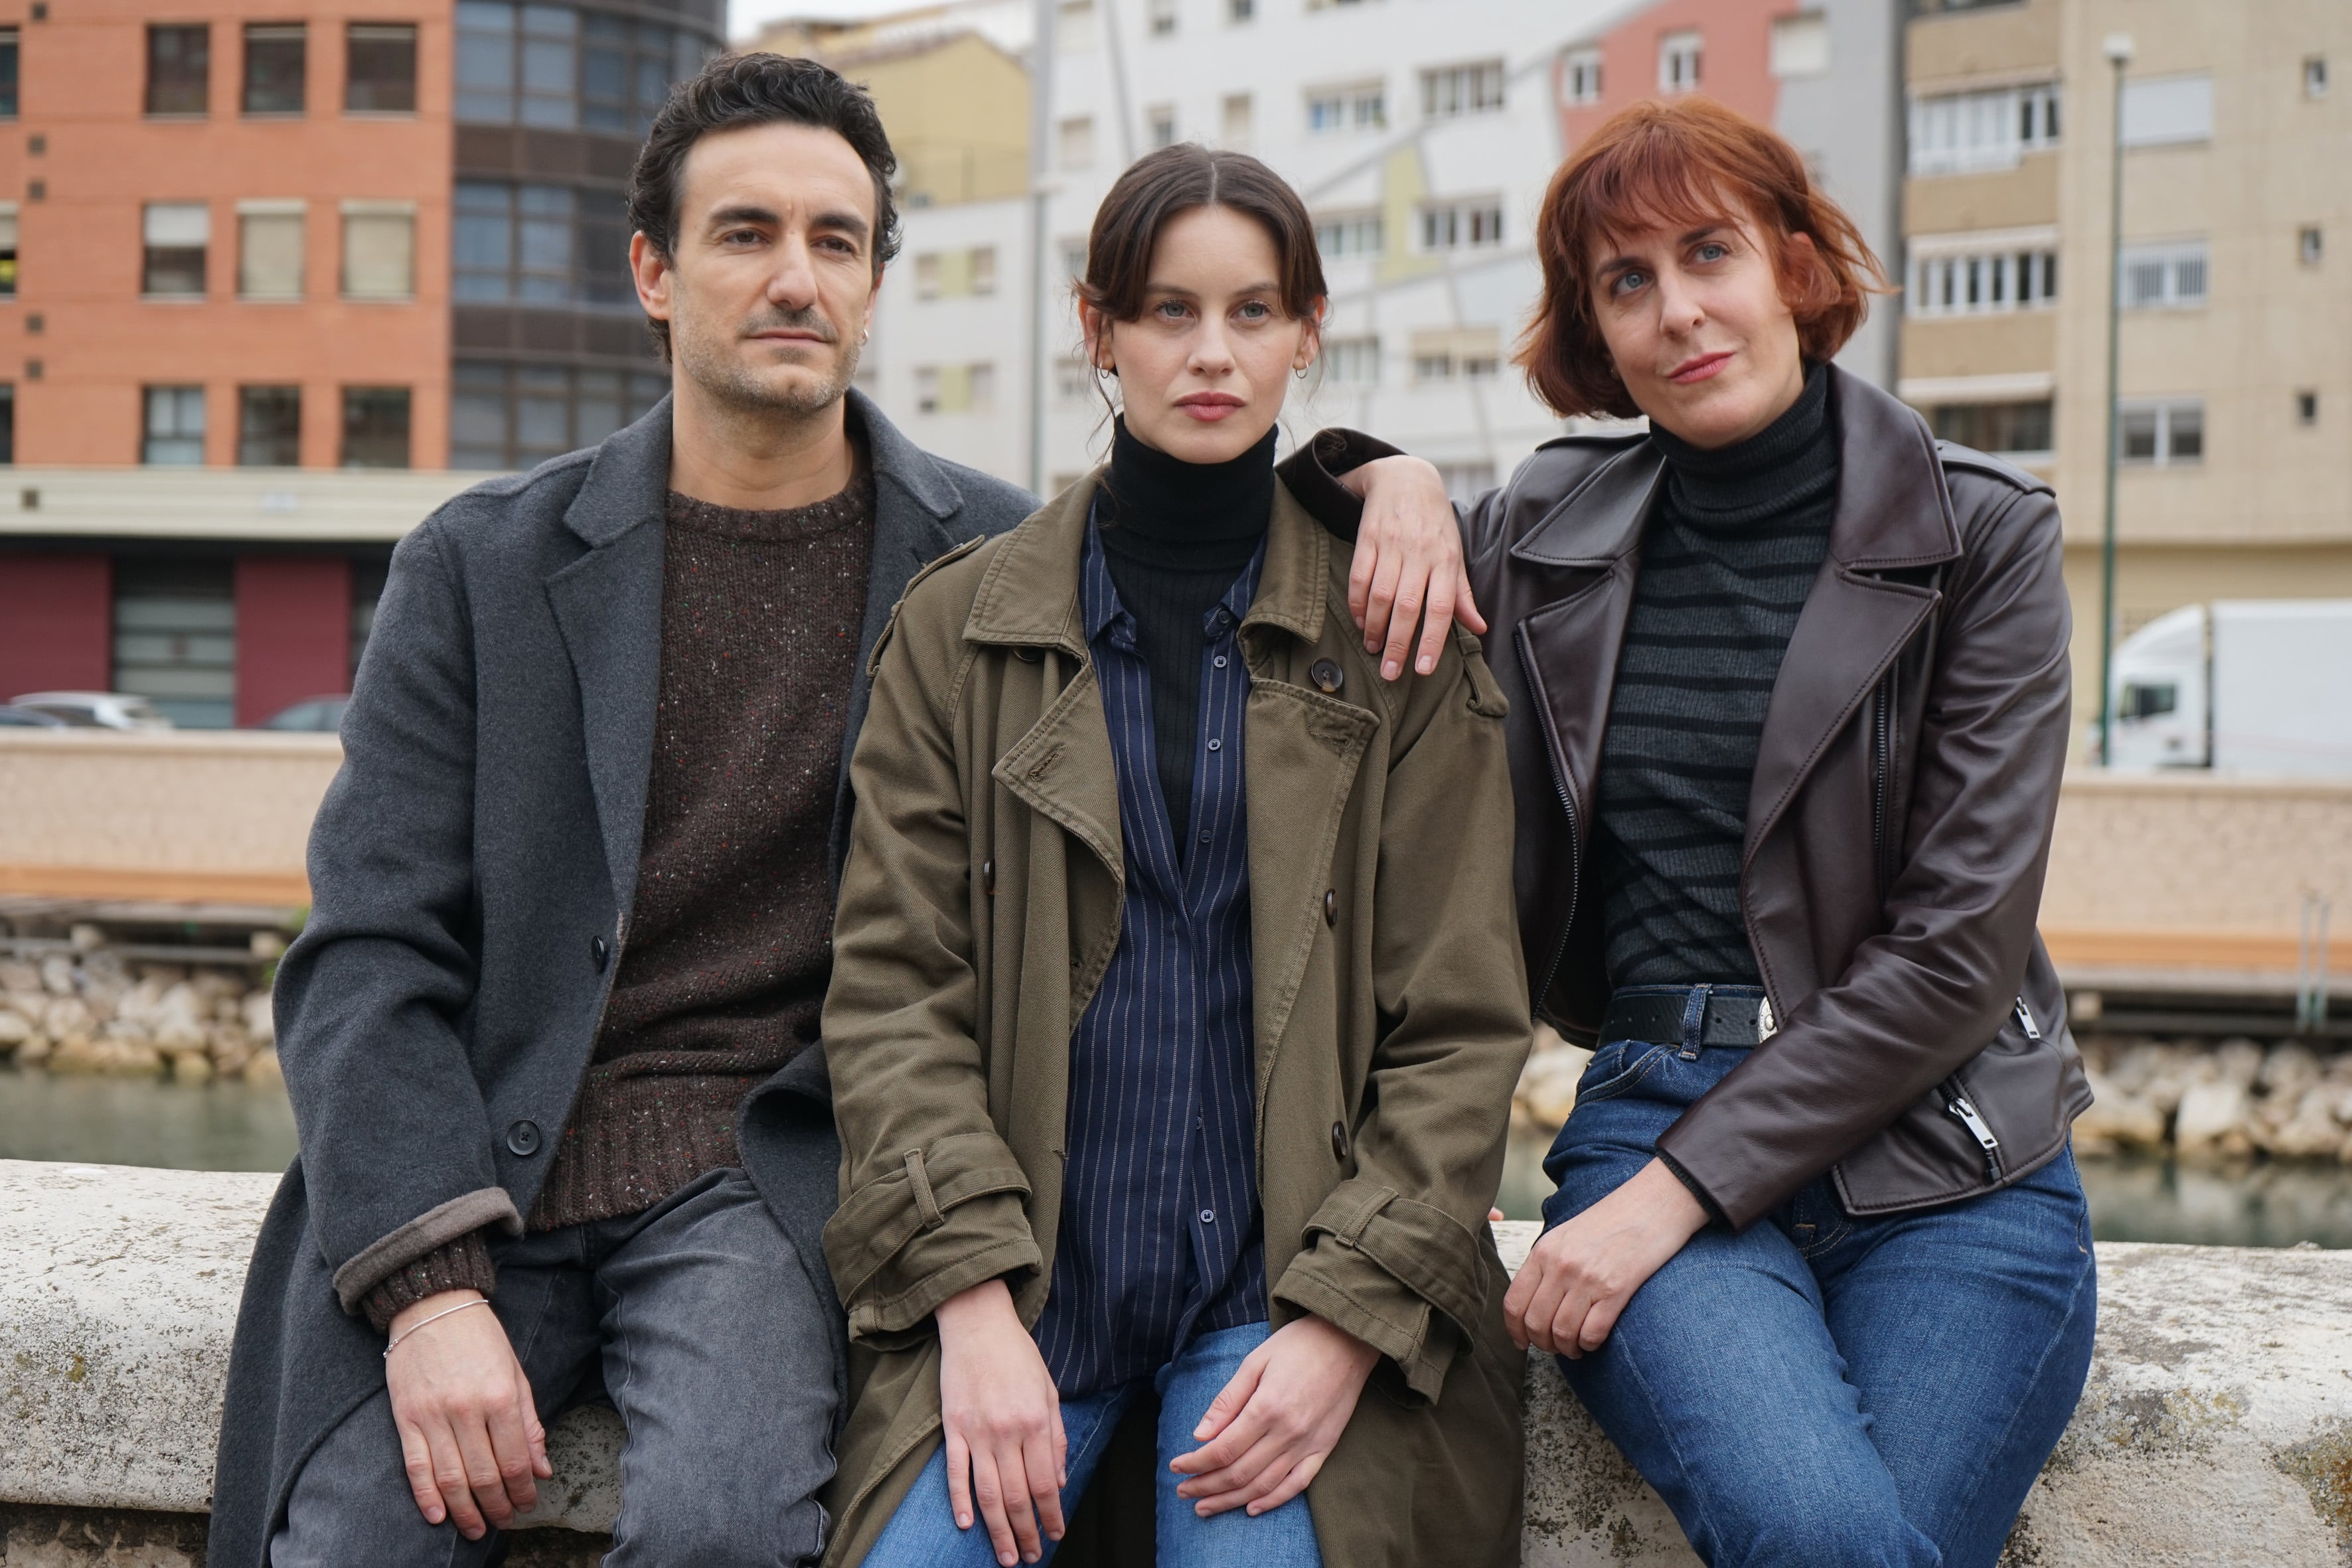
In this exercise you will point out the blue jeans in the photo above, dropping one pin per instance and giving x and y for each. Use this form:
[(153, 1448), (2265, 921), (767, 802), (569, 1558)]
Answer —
[(1821, 1390), (923, 1533)]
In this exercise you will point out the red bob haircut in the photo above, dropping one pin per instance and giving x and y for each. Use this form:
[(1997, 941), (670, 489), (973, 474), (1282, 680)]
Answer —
[(1680, 163)]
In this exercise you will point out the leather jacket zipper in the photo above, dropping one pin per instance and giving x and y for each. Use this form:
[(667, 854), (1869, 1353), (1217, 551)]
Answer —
[(1882, 768), (1957, 1102), (2025, 1021), (1568, 804)]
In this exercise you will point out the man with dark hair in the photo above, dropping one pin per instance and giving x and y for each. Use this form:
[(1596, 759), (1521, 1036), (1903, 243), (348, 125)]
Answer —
[(548, 1031)]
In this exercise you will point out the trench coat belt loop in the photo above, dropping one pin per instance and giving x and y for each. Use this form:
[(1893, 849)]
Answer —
[(1695, 1022)]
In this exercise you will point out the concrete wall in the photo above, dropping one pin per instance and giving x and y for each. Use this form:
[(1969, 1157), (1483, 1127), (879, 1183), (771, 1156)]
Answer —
[(2212, 1431)]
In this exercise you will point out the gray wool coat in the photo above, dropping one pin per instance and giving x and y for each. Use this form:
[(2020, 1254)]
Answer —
[(470, 870)]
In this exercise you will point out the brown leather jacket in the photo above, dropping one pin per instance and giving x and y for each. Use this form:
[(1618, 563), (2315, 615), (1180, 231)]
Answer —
[(1898, 825)]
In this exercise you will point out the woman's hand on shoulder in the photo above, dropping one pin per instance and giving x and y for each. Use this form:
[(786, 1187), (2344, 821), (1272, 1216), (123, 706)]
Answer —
[(1270, 1428), (1568, 1294), (1408, 572), (1001, 1419)]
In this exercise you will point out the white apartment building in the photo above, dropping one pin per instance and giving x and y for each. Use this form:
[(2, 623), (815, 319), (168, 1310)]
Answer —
[(948, 360), (1421, 132)]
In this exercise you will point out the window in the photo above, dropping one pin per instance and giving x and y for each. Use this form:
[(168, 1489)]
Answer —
[(2149, 700), (176, 233), (1349, 234), (2164, 111), (1582, 76), (486, 62), (268, 426), (1164, 18), (7, 422), (984, 269), (1965, 133), (1456, 90), (7, 73), (954, 388), (1678, 62), (2314, 76), (1351, 362), (1074, 258), (1466, 482), (2306, 408), (2157, 277), (7, 251), (1973, 274), (2309, 246), (539, 244), (273, 55), (179, 66), (1800, 44), (2010, 428), (1333, 111), (551, 66), (1240, 10), (175, 636), (1234, 117), (1074, 381), (954, 273), (269, 250), (513, 417), (2160, 433), (380, 69), (1451, 353), (375, 427), (1161, 119), (379, 251), (1463, 225), (1074, 142), (174, 427), (626, 72)]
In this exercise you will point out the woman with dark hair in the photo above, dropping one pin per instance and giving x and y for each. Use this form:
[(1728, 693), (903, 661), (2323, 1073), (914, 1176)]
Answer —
[(1149, 1080), (1788, 707)]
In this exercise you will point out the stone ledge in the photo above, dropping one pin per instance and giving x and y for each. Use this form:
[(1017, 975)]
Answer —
[(2217, 1428)]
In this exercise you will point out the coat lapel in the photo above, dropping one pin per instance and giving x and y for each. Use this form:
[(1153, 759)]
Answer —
[(1301, 753), (1893, 514), (607, 606)]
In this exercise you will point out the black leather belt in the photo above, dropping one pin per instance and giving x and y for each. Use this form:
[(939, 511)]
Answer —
[(1662, 1015)]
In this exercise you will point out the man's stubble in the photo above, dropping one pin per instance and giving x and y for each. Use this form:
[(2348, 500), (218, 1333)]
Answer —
[(712, 360)]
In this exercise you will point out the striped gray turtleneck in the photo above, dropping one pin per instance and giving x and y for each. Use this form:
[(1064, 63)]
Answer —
[(1725, 569)]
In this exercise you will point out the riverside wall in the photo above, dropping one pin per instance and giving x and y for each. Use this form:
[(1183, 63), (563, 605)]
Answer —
[(2217, 1429)]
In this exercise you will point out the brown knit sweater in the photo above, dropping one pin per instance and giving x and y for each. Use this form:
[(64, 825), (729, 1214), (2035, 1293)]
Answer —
[(727, 945)]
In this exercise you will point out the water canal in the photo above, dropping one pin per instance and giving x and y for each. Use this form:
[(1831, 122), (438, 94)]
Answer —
[(231, 1126)]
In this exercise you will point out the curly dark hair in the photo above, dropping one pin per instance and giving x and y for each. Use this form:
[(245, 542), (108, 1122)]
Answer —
[(756, 89)]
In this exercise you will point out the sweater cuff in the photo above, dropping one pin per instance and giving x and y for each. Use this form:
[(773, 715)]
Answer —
[(1312, 476), (1705, 1199), (463, 1264)]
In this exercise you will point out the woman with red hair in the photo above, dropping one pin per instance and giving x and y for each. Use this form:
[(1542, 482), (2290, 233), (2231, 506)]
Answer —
[(1788, 707)]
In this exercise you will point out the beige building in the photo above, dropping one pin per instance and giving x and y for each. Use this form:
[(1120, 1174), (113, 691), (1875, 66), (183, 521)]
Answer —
[(2235, 386)]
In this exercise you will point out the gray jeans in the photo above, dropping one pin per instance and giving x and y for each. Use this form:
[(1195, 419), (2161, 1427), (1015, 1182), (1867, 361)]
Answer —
[(713, 1342)]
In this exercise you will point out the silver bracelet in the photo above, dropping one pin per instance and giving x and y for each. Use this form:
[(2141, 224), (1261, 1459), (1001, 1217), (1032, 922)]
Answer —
[(476, 1301)]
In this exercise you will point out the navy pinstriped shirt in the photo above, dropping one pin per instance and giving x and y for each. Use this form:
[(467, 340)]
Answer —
[(1160, 1237)]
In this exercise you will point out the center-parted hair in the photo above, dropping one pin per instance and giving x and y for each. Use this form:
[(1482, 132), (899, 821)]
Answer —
[(1158, 186), (1681, 164)]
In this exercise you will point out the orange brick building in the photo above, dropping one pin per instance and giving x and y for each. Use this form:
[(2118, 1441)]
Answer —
[(284, 250)]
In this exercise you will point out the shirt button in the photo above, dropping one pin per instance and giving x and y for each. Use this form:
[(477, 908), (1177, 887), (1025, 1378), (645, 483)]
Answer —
[(1216, 745), (1208, 1217), (522, 1139), (1204, 837), (1218, 662)]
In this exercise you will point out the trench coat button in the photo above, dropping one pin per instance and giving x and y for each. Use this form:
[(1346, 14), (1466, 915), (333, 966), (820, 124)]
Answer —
[(1331, 906), (600, 953), (1338, 1140), (1029, 655), (988, 877), (522, 1139), (1326, 676)]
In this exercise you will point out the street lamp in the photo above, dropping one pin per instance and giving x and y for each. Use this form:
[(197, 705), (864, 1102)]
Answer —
[(2118, 49)]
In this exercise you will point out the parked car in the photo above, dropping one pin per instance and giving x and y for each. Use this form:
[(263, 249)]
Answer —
[(14, 718), (324, 713), (95, 710)]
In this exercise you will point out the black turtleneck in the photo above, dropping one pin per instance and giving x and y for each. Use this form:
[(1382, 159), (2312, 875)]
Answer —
[(1175, 536), (1725, 566)]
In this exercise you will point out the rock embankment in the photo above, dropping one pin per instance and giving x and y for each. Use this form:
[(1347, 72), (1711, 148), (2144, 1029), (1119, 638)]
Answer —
[(2197, 1100), (94, 1011)]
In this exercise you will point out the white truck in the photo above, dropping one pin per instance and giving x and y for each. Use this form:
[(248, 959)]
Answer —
[(2243, 686)]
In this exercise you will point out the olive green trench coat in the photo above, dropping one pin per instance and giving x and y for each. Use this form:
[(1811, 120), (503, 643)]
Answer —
[(979, 910)]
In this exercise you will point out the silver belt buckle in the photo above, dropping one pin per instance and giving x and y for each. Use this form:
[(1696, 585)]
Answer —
[(1764, 1027)]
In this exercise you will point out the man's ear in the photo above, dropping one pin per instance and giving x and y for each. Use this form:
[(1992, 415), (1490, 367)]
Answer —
[(650, 271)]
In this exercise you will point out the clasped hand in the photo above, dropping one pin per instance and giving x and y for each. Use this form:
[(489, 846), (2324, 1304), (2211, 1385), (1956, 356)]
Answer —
[(1263, 1439)]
